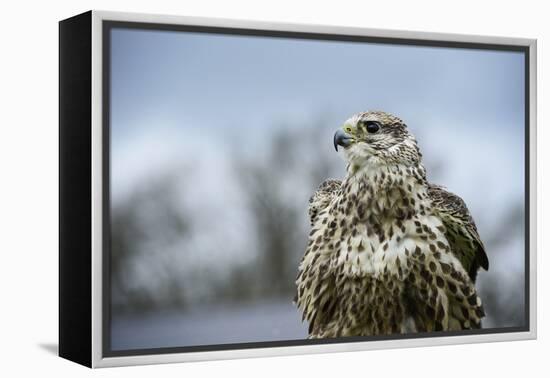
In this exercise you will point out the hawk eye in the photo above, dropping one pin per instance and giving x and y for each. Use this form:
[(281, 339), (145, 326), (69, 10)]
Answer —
[(372, 126)]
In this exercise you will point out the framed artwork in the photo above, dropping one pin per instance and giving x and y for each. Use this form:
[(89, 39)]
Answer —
[(232, 189)]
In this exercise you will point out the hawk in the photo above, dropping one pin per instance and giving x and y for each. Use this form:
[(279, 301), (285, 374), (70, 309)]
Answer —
[(388, 252)]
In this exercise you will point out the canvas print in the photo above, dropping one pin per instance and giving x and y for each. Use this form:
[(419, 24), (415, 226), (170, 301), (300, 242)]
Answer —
[(269, 189)]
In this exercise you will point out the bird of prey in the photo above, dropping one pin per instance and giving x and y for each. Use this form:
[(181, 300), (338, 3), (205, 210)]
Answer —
[(388, 252)]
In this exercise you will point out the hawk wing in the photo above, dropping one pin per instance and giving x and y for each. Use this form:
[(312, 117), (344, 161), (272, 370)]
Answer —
[(440, 296), (322, 197), (461, 231), (315, 283), (440, 291)]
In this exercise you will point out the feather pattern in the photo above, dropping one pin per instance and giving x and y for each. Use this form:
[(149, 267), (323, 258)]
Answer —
[(461, 230), (388, 252)]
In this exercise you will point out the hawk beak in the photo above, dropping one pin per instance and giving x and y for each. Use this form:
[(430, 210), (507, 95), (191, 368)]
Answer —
[(341, 138)]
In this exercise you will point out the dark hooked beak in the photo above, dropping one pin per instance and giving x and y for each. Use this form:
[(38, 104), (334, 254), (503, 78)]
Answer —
[(341, 138)]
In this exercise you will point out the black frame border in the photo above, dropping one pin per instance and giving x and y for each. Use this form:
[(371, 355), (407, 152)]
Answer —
[(75, 192), (109, 25)]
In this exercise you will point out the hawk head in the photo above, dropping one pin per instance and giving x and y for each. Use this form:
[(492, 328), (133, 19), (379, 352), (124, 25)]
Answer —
[(376, 138)]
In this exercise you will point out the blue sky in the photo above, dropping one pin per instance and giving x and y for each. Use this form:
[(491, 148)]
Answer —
[(180, 79)]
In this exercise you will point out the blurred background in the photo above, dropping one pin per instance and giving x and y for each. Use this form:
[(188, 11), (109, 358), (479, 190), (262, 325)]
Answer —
[(218, 141)]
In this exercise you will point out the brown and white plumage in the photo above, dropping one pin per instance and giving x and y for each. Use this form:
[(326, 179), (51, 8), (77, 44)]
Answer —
[(322, 197), (461, 229), (388, 252)]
